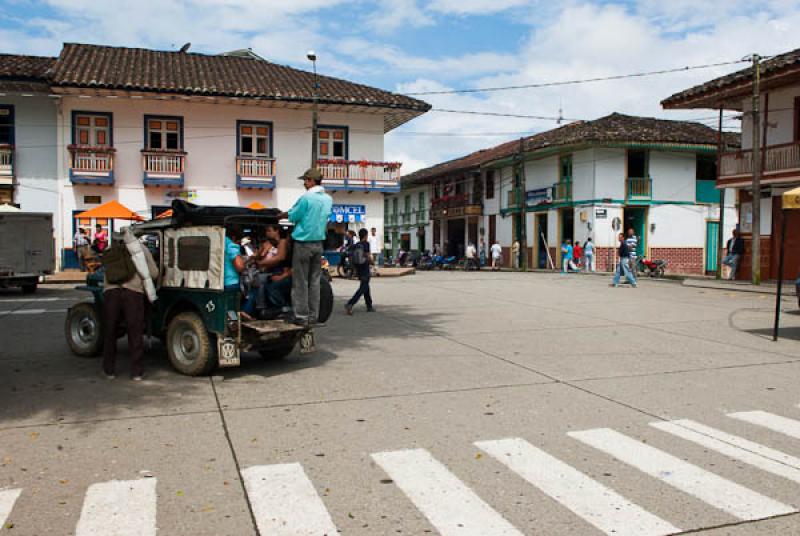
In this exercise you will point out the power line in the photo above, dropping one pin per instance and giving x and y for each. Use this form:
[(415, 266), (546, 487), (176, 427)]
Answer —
[(578, 81)]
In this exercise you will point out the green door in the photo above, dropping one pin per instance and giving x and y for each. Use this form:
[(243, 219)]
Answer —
[(712, 246)]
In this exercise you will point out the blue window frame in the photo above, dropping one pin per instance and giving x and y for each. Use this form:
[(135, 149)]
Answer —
[(254, 138), (333, 142), (95, 129), (163, 133), (6, 124)]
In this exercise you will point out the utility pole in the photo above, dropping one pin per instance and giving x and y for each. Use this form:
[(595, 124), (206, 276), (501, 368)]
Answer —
[(757, 170), (314, 110), (721, 228), (523, 229)]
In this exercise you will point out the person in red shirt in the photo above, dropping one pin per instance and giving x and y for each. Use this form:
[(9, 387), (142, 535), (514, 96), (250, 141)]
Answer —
[(577, 254), (100, 239)]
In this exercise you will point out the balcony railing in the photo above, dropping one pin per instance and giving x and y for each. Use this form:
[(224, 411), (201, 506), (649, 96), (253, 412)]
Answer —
[(562, 192), (360, 175), (91, 165), (6, 165), (162, 168), (638, 189), (255, 172), (778, 158)]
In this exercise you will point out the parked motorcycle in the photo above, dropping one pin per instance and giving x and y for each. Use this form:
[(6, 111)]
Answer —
[(345, 266), (426, 262), (445, 263), (652, 268)]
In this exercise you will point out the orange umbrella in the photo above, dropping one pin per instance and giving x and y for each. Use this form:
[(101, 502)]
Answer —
[(255, 205), (113, 210), (164, 215)]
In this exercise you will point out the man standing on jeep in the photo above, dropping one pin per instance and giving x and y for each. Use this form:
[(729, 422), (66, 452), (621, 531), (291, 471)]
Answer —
[(310, 217)]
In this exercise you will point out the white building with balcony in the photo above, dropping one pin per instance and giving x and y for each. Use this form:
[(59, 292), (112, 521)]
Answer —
[(145, 127), (28, 162), (780, 143)]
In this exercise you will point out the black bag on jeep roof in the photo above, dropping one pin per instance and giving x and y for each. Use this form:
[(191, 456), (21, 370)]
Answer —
[(118, 265)]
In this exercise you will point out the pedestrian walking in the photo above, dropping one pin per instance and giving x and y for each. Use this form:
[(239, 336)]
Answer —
[(735, 250), (632, 241), (310, 215), (100, 242), (497, 256), (472, 257), (482, 253), (81, 246), (588, 254), (577, 255), (124, 298), (361, 263), (624, 266), (566, 256)]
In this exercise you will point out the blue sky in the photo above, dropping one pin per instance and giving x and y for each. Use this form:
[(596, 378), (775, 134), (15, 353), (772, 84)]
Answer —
[(416, 45)]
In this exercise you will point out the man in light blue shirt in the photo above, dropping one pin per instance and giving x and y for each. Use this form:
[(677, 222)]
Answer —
[(310, 217)]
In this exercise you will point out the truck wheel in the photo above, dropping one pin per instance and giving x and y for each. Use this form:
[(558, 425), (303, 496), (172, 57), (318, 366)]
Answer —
[(325, 300), (189, 346), (279, 350), (29, 288), (84, 330)]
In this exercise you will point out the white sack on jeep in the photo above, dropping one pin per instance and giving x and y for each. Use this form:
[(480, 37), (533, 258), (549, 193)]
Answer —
[(137, 256)]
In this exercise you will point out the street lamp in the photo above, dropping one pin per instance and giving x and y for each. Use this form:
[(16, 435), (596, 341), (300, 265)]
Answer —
[(312, 57)]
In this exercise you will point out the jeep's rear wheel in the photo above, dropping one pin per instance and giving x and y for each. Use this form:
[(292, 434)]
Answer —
[(325, 300), (189, 345), (84, 330)]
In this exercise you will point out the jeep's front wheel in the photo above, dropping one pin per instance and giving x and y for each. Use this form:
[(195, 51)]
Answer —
[(189, 346)]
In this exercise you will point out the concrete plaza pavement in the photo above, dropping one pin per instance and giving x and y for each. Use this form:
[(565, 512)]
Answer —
[(394, 425)]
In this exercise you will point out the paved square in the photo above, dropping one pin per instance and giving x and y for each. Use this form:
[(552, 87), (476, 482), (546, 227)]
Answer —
[(469, 404)]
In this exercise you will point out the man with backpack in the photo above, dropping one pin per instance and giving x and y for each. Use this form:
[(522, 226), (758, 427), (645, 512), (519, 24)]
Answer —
[(361, 262), (124, 298)]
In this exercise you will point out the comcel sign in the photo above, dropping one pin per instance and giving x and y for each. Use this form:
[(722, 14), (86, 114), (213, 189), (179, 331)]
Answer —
[(348, 213)]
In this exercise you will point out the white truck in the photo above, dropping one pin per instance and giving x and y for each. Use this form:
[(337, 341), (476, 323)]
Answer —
[(27, 249)]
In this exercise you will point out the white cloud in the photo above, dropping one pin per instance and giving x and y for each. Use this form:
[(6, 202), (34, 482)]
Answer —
[(476, 7), (390, 15)]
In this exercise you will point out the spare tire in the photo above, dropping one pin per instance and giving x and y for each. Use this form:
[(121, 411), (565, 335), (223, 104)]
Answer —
[(325, 300), (83, 329)]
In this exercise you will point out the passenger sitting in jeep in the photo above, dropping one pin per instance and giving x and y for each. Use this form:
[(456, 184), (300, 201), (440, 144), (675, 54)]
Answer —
[(275, 278), (235, 264)]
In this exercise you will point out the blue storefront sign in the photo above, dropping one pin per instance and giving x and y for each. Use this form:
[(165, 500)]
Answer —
[(348, 214), (536, 197)]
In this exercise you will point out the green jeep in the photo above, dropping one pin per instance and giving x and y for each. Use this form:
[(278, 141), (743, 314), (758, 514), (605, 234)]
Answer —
[(197, 320)]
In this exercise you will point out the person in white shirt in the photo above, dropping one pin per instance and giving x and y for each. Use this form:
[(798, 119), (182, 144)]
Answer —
[(497, 256), (375, 247), (472, 256)]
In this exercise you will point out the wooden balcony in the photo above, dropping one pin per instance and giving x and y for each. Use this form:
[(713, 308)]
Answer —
[(163, 168), (455, 206), (779, 160), (360, 175), (255, 172), (6, 165), (562, 192), (91, 165), (638, 189)]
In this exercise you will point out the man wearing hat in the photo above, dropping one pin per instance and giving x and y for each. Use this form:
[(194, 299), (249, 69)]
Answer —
[(310, 218)]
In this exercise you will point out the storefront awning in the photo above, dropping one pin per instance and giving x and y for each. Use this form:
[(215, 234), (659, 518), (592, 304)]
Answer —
[(113, 210), (791, 199)]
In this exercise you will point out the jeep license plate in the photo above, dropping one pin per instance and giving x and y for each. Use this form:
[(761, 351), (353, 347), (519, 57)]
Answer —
[(228, 353), (307, 342)]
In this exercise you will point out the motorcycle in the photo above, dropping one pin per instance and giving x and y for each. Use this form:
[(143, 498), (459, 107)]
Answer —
[(425, 262), (345, 267), (652, 268), (445, 263)]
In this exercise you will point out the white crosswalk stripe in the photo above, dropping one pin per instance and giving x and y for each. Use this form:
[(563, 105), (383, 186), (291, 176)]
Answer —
[(7, 499), (448, 503), (119, 508), (589, 499), (776, 423), (765, 458), (721, 493), (285, 502)]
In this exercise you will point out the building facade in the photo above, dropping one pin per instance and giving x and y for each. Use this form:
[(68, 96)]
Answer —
[(780, 143), (589, 179), (408, 223), (145, 127)]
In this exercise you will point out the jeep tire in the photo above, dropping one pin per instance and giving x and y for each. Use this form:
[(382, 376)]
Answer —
[(189, 346), (83, 329), (325, 300)]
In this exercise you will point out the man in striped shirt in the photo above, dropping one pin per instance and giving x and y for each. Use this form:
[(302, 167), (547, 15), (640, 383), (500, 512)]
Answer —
[(632, 241)]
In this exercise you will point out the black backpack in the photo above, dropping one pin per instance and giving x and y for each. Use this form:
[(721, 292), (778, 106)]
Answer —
[(118, 265), (359, 255)]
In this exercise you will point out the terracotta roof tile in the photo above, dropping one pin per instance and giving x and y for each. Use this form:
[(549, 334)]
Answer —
[(743, 79), (611, 129), (136, 69), (19, 73)]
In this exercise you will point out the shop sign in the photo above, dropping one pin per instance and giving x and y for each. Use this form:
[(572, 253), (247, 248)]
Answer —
[(601, 213), (537, 197), (348, 214)]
